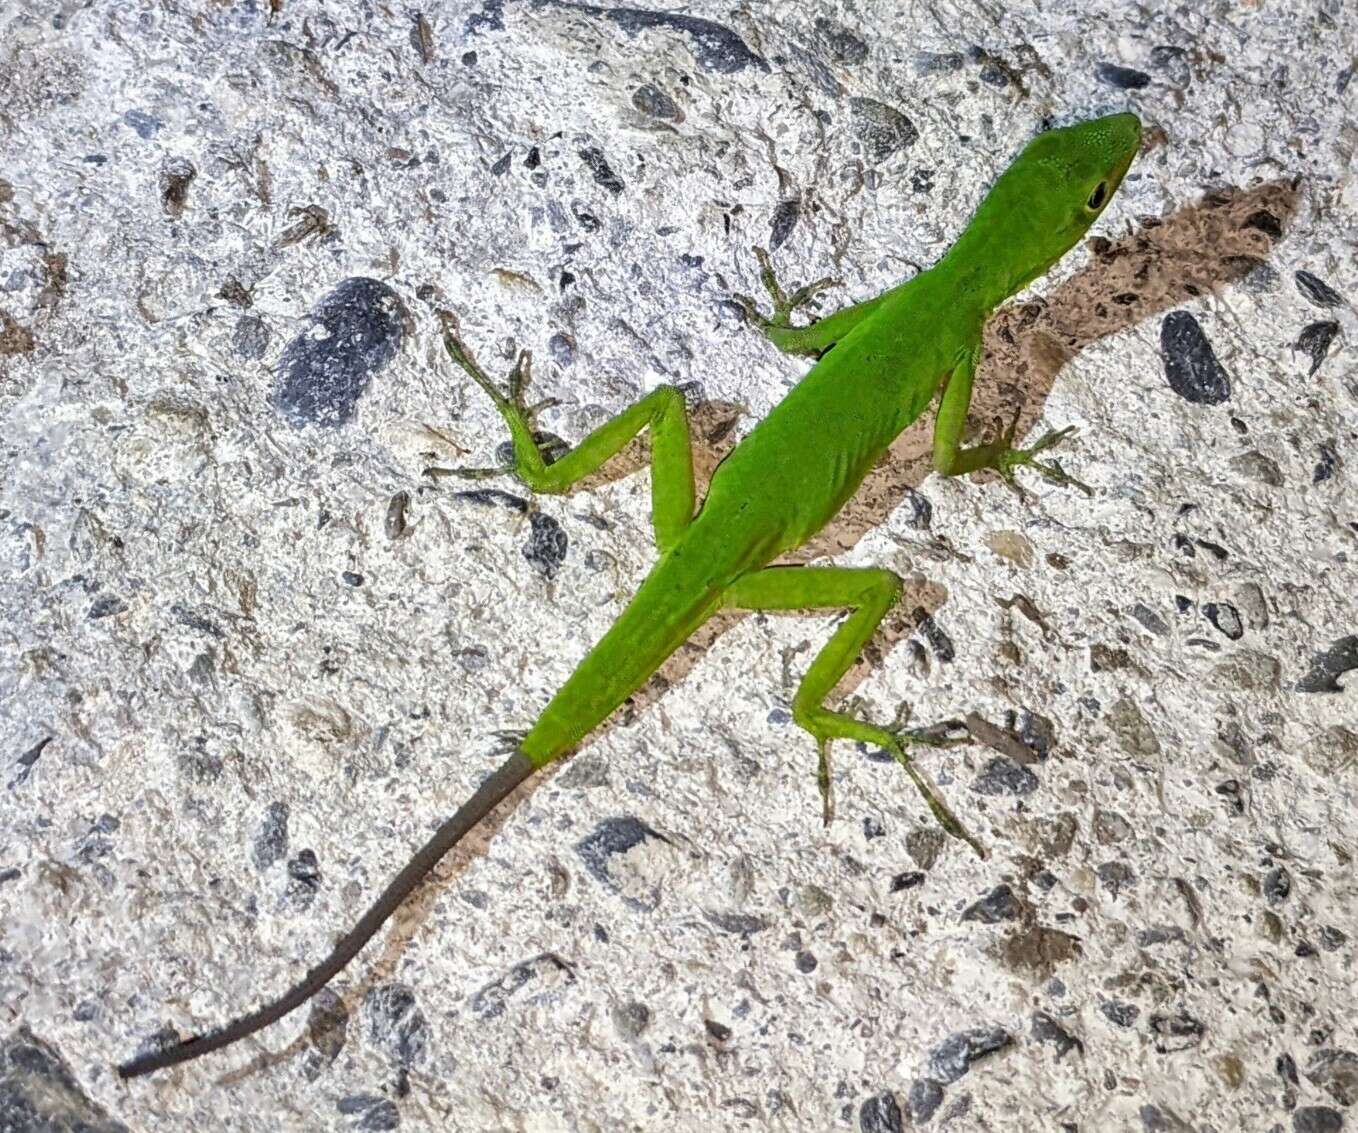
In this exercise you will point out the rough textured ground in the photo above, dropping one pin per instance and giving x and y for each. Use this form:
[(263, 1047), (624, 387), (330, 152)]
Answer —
[(238, 683)]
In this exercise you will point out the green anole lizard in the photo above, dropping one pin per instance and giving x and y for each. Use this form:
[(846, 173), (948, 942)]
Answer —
[(880, 364)]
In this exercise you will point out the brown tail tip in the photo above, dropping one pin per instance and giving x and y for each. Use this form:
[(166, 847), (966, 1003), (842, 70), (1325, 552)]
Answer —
[(494, 790)]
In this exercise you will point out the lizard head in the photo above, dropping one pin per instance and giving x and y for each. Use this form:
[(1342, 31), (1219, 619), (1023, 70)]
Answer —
[(1081, 167), (1056, 188)]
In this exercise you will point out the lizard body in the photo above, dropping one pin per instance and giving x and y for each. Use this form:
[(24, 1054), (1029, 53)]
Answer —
[(881, 364)]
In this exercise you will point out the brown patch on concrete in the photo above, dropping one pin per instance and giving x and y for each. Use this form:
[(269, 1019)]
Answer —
[(1038, 950), (14, 339)]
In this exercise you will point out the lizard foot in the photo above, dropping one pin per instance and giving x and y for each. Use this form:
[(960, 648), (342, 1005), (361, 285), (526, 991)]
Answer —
[(895, 741), (935, 735), (783, 303), (1009, 459), (946, 733), (513, 405)]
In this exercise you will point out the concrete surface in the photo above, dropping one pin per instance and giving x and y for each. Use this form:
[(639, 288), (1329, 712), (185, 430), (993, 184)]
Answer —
[(238, 684)]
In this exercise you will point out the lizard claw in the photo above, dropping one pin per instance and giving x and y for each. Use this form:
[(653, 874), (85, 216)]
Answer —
[(827, 798), (946, 733), (1014, 458), (784, 304), (519, 377), (750, 309)]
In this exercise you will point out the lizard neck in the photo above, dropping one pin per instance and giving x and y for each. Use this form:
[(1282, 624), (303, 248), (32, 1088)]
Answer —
[(992, 262)]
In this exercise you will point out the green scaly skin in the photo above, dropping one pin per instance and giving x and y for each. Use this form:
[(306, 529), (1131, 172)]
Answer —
[(892, 356)]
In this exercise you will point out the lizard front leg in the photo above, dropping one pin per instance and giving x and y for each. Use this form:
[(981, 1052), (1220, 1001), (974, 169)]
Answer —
[(672, 490), (869, 593), (816, 337), (952, 460)]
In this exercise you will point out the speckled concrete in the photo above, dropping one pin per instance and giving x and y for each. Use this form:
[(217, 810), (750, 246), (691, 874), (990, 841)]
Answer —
[(248, 663)]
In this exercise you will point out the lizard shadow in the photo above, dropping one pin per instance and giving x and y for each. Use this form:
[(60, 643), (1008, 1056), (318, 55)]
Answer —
[(1161, 263)]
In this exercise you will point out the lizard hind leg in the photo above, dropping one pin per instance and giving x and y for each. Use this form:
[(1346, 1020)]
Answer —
[(868, 593)]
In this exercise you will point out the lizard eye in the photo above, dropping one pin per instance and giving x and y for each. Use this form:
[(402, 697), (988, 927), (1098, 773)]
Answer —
[(1099, 195)]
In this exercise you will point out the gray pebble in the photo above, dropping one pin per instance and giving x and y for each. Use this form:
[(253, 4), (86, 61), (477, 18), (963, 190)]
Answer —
[(327, 1026), (1002, 776), (146, 125), (304, 879), (599, 168), (785, 218), (1340, 657), (1336, 1072), (938, 63), (880, 1114), (1149, 619), (923, 1099), (271, 843), (1317, 290), (1047, 1030), (924, 846), (39, 1093), (1160, 934), (1249, 670), (354, 331), (396, 1026), (655, 103), (953, 1057), (1226, 618), (1172, 62), (882, 129), (1258, 467), (1118, 1013), (1156, 1120), (613, 837), (1315, 340), (1332, 939), (1123, 78), (1176, 1032), (1110, 827), (737, 924), (547, 544), (841, 44), (251, 337), (1191, 365), (374, 1113), (1277, 885), (999, 904), (106, 606), (1317, 1119), (631, 1019), (715, 47), (1326, 465), (562, 349)]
